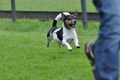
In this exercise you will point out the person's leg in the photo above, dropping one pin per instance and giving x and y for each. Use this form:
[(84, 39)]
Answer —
[(107, 45)]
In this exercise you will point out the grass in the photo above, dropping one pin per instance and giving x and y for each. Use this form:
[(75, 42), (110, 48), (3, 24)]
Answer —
[(24, 55), (57, 5)]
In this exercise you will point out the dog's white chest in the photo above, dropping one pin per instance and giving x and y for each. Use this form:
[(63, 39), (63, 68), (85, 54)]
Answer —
[(69, 34)]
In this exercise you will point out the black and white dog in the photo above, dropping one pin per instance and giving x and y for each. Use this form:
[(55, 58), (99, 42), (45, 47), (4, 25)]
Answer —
[(66, 34)]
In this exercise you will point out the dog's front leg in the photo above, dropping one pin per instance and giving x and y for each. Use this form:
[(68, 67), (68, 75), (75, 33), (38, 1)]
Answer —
[(64, 42), (76, 42)]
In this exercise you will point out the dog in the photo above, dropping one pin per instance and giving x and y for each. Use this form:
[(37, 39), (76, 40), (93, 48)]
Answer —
[(66, 34)]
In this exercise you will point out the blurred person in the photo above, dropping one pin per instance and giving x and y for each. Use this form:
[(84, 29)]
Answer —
[(103, 53)]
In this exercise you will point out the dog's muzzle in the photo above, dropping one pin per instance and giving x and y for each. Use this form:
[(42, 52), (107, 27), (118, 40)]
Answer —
[(73, 24)]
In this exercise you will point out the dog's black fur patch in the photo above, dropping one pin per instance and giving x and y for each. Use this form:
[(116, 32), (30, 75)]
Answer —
[(60, 33)]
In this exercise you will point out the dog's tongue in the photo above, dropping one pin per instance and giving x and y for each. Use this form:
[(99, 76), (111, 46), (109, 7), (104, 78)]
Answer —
[(73, 25)]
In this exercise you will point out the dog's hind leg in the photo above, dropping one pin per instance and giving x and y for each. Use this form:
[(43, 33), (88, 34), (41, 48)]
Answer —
[(48, 44), (49, 38), (48, 41), (59, 45)]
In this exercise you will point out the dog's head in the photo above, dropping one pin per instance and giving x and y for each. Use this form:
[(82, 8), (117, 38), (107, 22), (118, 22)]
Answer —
[(69, 20)]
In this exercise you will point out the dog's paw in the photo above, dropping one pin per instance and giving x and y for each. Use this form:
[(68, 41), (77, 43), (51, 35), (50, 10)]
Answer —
[(77, 46), (69, 49)]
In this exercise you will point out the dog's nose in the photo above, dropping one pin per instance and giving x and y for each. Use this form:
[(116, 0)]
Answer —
[(75, 22)]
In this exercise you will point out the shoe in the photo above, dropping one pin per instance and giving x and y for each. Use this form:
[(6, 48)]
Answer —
[(89, 52)]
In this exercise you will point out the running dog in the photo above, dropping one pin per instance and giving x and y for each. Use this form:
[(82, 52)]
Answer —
[(66, 34)]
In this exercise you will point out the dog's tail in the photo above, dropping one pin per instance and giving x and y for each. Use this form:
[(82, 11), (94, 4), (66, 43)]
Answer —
[(58, 17)]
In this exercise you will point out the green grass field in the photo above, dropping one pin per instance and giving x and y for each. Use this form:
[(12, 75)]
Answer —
[(57, 5), (24, 55)]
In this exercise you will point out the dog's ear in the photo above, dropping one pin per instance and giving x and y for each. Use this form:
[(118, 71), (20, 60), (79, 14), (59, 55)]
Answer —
[(75, 14), (63, 16)]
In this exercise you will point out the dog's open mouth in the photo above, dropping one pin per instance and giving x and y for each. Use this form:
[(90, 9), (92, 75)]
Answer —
[(72, 25)]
